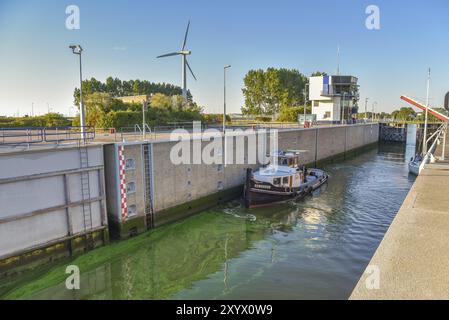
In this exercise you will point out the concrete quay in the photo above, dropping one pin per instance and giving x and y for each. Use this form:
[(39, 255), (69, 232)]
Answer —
[(412, 260)]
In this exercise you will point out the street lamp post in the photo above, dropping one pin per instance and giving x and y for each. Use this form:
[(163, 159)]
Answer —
[(77, 49), (366, 109), (305, 102), (343, 108), (224, 112), (224, 97)]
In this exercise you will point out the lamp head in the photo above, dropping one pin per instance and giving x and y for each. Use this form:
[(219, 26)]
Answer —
[(77, 49)]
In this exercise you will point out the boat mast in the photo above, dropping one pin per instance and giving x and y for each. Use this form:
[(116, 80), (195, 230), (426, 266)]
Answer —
[(427, 115)]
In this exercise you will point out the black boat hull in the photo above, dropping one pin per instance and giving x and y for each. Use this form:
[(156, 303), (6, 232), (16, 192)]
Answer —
[(259, 194)]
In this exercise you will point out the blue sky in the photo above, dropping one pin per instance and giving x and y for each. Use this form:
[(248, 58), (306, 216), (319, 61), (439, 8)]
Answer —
[(122, 39)]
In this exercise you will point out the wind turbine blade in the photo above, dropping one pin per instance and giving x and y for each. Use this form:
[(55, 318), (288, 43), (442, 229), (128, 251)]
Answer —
[(188, 65), (168, 55), (185, 37)]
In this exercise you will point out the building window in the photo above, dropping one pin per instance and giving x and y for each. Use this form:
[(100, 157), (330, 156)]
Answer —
[(130, 164), (132, 210), (130, 187), (327, 114), (316, 103), (220, 168), (220, 185)]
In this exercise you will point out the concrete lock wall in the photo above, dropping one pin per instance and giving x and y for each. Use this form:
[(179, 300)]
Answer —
[(178, 190), (42, 200), (175, 185), (129, 187), (178, 184)]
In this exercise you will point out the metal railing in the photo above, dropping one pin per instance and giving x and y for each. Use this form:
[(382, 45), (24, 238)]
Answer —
[(11, 136), (437, 136), (62, 134), (55, 135)]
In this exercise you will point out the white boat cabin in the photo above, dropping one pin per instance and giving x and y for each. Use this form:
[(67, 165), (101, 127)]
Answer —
[(283, 172)]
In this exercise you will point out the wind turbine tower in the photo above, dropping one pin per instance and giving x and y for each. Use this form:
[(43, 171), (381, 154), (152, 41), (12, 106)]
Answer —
[(185, 64)]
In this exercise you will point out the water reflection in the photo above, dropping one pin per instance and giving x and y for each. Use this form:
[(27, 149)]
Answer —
[(313, 248)]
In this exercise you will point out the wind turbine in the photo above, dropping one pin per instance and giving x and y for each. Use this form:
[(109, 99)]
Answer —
[(185, 64)]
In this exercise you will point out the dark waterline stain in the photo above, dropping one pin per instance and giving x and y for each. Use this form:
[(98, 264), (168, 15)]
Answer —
[(312, 249)]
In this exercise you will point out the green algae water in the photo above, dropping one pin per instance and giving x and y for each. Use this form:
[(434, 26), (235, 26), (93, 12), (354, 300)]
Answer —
[(316, 248)]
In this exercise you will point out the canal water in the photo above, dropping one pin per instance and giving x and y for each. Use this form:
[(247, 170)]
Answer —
[(316, 248)]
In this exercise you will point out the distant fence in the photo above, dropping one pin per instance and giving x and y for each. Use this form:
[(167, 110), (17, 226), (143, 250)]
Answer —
[(55, 135)]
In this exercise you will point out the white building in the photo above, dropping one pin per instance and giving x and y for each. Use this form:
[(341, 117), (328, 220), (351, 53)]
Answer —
[(333, 98)]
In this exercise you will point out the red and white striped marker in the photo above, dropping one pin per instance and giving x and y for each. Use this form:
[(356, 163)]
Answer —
[(122, 176)]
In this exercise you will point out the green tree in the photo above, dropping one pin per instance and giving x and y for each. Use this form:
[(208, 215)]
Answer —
[(318, 74), (254, 92), (267, 92), (404, 114), (137, 87), (290, 114)]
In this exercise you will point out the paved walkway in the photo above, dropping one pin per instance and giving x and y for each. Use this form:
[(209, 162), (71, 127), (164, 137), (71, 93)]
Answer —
[(413, 258)]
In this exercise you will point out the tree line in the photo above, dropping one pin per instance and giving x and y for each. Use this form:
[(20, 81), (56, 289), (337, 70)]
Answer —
[(404, 114), (121, 88), (106, 111), (47, 120)]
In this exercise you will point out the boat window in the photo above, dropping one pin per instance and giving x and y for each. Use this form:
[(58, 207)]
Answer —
[(285, 180), (276, 181)]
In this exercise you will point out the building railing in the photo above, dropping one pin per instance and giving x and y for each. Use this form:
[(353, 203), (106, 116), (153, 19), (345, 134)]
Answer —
[(56, 135)]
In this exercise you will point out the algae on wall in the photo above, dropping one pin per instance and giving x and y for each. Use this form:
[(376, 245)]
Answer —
[(155, 265)]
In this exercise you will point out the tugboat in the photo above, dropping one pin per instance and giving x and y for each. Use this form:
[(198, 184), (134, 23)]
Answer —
[(285, 181)]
